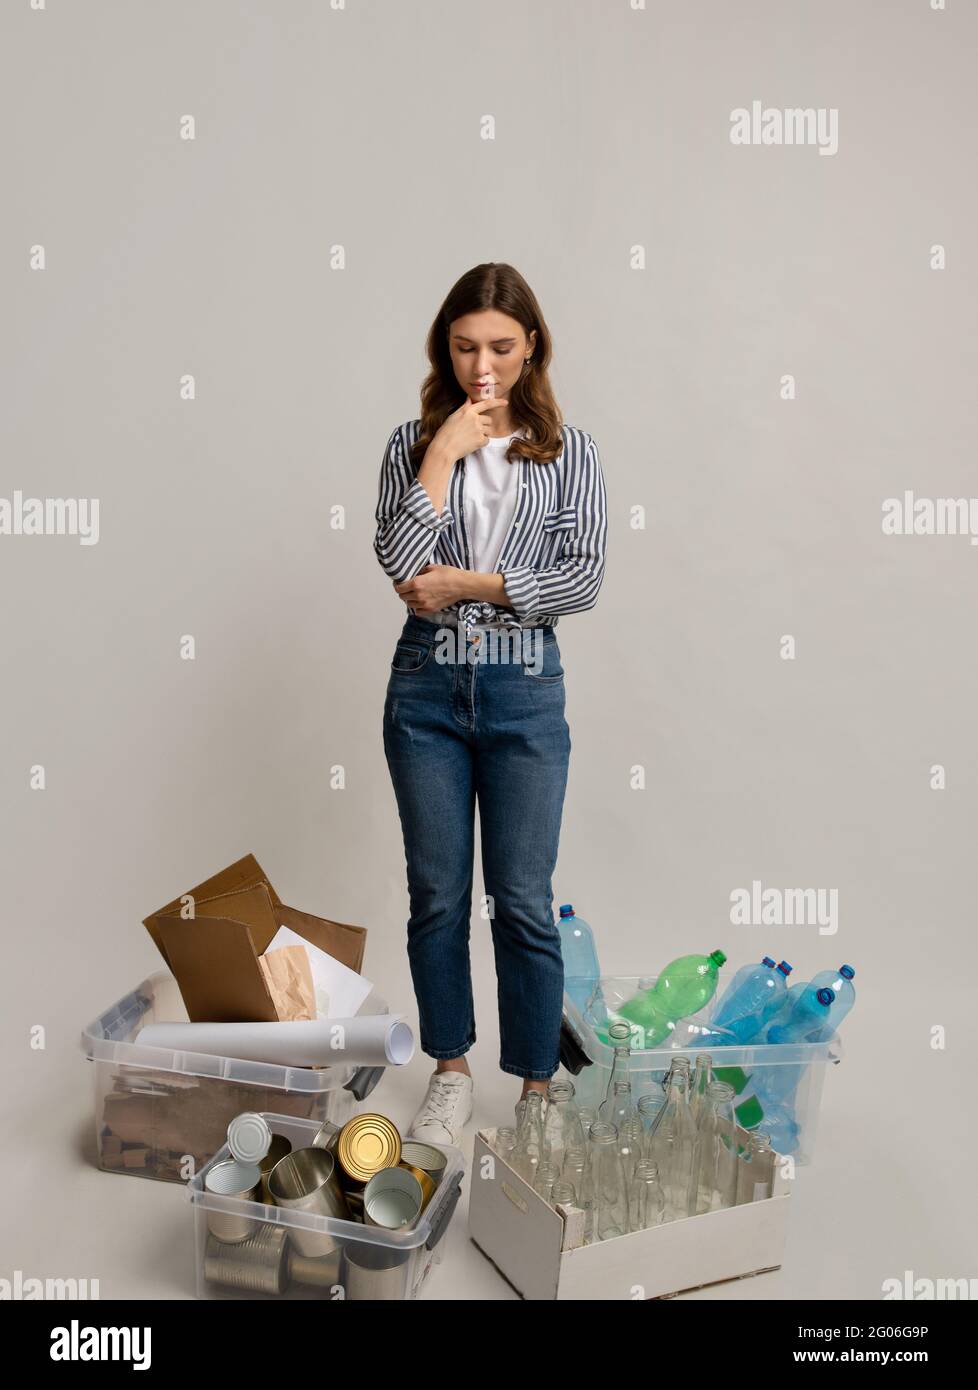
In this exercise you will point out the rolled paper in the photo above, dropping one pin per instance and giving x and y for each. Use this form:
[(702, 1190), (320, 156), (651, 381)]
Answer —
[(368, 1040)]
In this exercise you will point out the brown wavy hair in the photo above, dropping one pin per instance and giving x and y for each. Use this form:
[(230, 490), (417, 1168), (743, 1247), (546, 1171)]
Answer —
[(532, 404)]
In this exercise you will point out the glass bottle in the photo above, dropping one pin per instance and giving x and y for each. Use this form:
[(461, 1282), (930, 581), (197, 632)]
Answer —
[(562, 1195), (573, 1168), (755, 1176), (619, 1035), (619, 1109), (702, 1076), (609, 1195), (649, 1106), (672, 1148), (631, 1145), (505, 1142), (529, 1149), (562, 1128), (716, 1176), (543, 1180), (647, 1204)]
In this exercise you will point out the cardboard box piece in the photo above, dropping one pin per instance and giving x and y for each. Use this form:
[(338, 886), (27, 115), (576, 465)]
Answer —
[(524, 1237), (214, 954)]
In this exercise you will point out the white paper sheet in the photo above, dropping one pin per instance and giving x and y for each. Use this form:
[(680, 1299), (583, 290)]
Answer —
[(370, 1040), (339, 990)]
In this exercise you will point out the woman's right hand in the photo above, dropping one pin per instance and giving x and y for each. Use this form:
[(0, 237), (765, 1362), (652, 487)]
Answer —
[(466, 429)]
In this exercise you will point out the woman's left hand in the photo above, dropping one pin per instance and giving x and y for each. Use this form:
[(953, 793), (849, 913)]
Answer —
[(434, 587)]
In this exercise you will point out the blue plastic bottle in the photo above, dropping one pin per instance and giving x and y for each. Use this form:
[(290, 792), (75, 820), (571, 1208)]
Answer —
[(754, 996), (581, 968), (809, 1016)]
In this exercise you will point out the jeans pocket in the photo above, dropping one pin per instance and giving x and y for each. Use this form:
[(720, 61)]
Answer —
[(545, 669), (409, 657)]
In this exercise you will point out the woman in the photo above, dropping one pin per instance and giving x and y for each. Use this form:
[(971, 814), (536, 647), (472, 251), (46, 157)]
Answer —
[(491, 522)]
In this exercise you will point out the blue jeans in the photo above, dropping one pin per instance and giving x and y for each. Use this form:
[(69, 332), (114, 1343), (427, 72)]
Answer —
[(457, 730)]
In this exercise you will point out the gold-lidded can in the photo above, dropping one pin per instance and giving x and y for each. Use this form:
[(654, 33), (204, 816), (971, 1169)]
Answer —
[(366, 1144)]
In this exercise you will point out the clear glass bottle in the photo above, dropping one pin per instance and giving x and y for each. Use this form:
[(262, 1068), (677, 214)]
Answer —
[(609, 1195), (631, 1145), (702, 1076), (562, 1128), (647, 1202), (505, 1142), (546, 1175), (619, 1035), (755, 1174), (573, 1168), (529, 1148), (562, 1195), (619, 1109), (672, 1148), (716, 1175), (649, 1106)]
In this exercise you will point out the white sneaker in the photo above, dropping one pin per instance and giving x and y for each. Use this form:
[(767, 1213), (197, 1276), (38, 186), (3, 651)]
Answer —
[(444, 1110)]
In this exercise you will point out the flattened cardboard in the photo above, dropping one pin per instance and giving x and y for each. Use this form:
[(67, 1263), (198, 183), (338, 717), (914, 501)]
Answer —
[(243, 873), (214, 955)]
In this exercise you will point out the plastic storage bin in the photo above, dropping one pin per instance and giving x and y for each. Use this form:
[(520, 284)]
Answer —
[(362, 1263), (735, 1064), (164, 1114)]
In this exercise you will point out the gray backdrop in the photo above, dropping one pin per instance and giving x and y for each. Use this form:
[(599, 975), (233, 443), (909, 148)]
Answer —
[(683, 277)]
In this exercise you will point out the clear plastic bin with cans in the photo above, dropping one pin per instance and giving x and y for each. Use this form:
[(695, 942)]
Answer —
[(290, 1208)]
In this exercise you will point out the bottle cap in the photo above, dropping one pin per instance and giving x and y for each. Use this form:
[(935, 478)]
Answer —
[(766, 960), (566, 910), (717, 957), (846, 971), (249, 1137), (825, 996), (785, 968)]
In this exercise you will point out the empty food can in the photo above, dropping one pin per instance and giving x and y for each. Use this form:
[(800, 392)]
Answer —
[(257, 1264), (306, 1181), (233, 1179), (393, 1198), (366, 1144)]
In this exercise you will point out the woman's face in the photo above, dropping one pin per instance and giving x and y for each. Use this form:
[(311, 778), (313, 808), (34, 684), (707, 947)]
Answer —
[(488, 344)]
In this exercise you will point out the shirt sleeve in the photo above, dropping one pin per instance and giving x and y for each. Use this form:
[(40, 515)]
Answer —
[(408, 526), (572, 584)]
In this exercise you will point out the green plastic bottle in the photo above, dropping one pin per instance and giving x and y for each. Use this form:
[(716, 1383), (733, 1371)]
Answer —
[(685, 986)]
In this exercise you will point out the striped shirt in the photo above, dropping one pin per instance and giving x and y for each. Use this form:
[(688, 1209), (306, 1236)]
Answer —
[(552, 560)]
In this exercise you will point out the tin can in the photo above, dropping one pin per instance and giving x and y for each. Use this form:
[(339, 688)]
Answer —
[(426, 1157), (325, 1137), (306, 1181), (366, 1144), (424, 1181), (257, 1265), (280, 1146), (249, 1137), (393, 1198), (233, 1179)]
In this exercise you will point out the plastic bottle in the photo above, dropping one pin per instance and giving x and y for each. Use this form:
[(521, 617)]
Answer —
[(777, 1084), (685, 986), (754, 996), (840, 983), (581, 969)]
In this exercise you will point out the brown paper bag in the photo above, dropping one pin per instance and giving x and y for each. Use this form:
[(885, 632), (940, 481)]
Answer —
[(289, 978)]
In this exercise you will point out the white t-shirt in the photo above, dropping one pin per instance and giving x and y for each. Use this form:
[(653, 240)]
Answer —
[(490, 492)]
